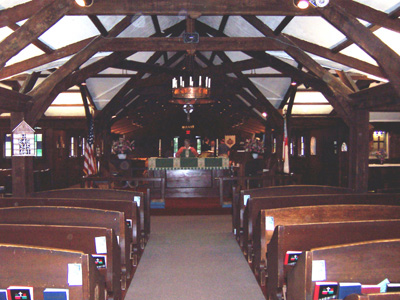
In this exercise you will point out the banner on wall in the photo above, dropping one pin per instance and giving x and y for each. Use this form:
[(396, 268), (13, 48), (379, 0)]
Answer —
[(230, 140)]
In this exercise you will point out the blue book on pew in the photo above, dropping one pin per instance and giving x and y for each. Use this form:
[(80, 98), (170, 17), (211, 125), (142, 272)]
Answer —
[(56, 294), (348, 288), (3, 294)]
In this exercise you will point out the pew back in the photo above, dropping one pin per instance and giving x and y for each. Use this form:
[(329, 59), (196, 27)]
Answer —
[(48, 268), (128, 208), (287, 190), (269, 218), (72, 216), (81, 193), (367, 262), (383, 296), (304, 237), (74, 238), (255, 205)]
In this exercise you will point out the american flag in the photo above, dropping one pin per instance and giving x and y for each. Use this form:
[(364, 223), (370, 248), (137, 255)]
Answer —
[(89, 165)]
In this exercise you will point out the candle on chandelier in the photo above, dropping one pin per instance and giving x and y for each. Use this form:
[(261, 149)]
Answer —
[(200, 81), (190, 81)]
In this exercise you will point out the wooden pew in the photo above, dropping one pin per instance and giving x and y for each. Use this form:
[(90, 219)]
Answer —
[(288, 190), (311, 214), (74, 238), (127, 207), (383, 296), (367, 262), (304, 237), (81, 193), (255, 205), (71, 216), (43, 268)]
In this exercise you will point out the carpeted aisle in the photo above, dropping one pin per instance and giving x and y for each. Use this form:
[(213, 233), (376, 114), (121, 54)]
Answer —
[(193, 258)]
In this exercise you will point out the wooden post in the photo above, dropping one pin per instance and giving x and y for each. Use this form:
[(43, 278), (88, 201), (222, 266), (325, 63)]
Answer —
[(22, 166), (359, 152)]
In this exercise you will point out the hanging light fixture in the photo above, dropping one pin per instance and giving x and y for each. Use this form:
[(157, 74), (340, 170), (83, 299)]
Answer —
[(192, 90), (302, 4), (84, 3)]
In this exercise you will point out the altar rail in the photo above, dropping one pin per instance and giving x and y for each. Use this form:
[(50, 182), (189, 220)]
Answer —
[(136, 180)]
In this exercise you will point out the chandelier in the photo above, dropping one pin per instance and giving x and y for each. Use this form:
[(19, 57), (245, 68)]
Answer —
[(197, 91)]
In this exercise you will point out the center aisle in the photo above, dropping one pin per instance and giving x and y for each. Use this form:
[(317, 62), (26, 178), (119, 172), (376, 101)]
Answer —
[(193, 258)]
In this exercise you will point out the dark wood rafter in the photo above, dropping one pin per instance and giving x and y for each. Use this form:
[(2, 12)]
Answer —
[(282, 25), (369, 14), (97, 23), (21, 12), (38, 43), (48, 86), (347, 80), (125, 94), (11, 101), (378, 98), (193, 8), (158, 31), (32, 29), (221, 29), (246, 82), (387, 59), (336, 57), (89, 96), (339, 99), (29, 82), (40, 60), (346, 43)]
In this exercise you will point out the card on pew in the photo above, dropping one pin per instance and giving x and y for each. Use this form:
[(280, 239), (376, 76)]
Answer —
[(393, 287), (325, 290), (100, 261), (370, 289), (292, 257), (348, 288), (3, 294), (55, 294), (20, 293)]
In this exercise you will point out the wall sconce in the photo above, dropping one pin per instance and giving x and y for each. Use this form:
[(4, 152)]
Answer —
[(84, 3), (302, 4)]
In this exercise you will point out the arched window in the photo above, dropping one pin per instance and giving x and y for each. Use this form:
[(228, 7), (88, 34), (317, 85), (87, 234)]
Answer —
[(313, 145)]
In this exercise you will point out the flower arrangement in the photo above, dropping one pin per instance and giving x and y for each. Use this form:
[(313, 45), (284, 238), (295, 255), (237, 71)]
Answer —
[(254, 146), (381, 155), (122, 146)]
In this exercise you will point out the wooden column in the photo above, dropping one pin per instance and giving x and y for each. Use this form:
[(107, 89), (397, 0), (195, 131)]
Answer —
[(22, 167), (359, 152)]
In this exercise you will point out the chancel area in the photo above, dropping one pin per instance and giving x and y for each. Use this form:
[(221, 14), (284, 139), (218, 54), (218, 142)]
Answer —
[(216, 149)]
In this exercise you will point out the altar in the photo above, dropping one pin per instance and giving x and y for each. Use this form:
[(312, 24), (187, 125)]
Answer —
[(189, 177)]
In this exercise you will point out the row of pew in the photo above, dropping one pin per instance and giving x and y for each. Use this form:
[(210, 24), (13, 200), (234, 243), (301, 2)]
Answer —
[(86, 241), (357, 236)]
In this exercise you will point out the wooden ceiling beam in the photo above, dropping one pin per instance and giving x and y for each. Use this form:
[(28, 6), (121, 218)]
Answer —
[(282, 25), (192, 8), (177, 44), (336, 57), (387, 59), (21, 12), (32, 29), (369, 14), (221, 29), (377, 98), (40, 60), (11, 101), (49, 86), (38, 43), (97, 23), (340, 99)]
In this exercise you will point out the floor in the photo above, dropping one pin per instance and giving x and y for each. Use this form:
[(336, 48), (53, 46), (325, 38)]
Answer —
[(193, 258)]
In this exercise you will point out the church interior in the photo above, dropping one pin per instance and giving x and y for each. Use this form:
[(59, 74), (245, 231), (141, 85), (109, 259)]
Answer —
[(222, 149)]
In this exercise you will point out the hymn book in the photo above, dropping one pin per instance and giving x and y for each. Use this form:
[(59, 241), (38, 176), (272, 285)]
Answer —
[(370, 289), (393, 287), (55, 294), (292, 257), (325, 290), (20, 293), (3, 294), (348, 288)]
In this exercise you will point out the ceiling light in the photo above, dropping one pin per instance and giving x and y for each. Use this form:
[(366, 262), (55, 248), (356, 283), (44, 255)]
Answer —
[(302, 4), (264, 114), (319, 3), (84, 3)]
